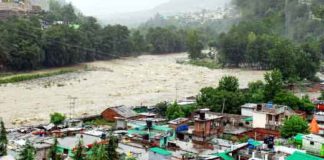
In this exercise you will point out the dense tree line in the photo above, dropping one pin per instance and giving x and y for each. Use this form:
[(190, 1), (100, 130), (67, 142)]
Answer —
[(62, 36), (166, 40), (274, 35), (228, 98)]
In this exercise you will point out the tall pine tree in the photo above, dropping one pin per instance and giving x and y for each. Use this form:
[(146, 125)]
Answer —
[(111, 148), (28, 152), (52, 153), (79, 152), (3, 139)]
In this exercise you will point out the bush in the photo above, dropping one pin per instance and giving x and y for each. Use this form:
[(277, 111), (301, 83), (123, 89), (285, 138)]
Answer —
[(57, 118)]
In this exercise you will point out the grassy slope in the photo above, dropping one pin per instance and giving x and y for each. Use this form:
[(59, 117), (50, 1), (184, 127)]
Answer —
[(25, 76)]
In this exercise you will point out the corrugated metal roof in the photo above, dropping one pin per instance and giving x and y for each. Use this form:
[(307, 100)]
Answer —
[(313, 137), (124, 111), (249, 105)]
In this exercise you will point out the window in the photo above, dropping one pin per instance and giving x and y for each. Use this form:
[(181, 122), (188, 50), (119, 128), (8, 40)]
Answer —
[(277, 118), (311, 143)]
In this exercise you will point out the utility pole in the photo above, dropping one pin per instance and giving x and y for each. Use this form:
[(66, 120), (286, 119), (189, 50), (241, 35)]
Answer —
[(176, 87), (224, 100), (72, 105)]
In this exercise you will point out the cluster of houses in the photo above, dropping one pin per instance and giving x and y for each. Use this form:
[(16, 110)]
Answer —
[(205, 135), (205, 16), (18, 7)]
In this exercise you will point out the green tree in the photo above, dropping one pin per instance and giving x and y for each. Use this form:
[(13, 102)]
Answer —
[(321, 96), (111, 148), (162, 108), (174, 111), (90, 33), (255, 92), (57, 118), (138, 42), (194, 45), (3, 139), (21, 43), (274, 84), (78, 154), (220, 100), (28, 152), (188, 109), (282, 57), (98, 152), (61, 45), (53, 151), (229, 83), (166, 40), (294, 125), (289, 99), (115, 40), (308, 105), (308, 58)]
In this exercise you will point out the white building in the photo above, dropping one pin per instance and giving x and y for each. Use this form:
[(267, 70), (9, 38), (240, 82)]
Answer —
[(247, 109), (313, 144), (270, 116)]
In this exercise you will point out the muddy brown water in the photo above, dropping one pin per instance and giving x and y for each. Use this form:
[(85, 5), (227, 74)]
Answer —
[(144, 80)]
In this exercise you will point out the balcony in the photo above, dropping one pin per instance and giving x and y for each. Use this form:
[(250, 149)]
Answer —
[(273, 125)]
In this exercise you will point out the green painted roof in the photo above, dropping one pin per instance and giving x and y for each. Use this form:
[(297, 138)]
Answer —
[(302, 156), (299, 137), (161, 151), (256, 143), (225, 156), (249, 119)]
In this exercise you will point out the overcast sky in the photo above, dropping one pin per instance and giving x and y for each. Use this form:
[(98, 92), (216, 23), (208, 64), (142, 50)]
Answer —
[(102, 7)]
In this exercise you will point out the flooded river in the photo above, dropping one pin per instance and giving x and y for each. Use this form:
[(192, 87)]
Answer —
[(145, 80)]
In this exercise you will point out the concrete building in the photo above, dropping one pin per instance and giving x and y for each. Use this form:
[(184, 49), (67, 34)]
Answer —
[(18, 8), (314, 144), (121, 123), (206, 127), (66, 145), (111, 113), (247, 109), (319, 116), (178, 122), (42, 150), (270, 116)]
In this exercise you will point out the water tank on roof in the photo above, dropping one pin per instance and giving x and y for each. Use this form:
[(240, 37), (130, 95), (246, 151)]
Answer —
[(182, 128), (269, 105)]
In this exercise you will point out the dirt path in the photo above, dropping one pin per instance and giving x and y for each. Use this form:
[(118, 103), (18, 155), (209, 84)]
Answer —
[(131, 81)]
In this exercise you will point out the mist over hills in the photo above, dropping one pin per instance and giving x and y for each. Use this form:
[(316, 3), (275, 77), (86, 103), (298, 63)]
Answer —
[(169, 8)]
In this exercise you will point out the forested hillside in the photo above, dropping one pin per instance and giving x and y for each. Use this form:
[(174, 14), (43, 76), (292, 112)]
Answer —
[(287, 35), (63, 37)]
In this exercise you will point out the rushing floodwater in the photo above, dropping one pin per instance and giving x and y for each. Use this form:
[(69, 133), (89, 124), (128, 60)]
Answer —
[(143, 80)]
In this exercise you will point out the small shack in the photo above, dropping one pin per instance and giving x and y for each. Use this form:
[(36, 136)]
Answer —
[(111, 113), (314, 144), (159, 154)]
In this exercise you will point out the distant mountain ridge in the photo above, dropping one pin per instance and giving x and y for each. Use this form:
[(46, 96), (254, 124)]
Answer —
[(169, 8), (174, 6)]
